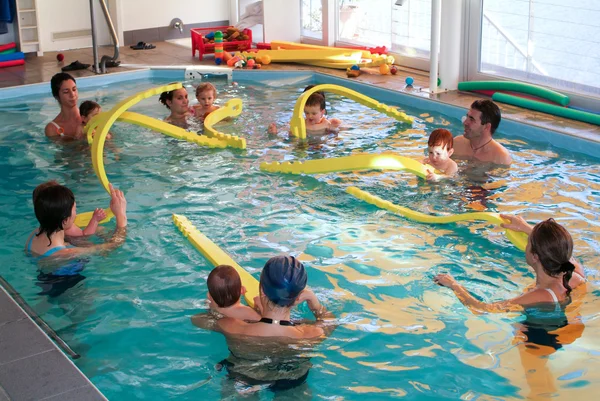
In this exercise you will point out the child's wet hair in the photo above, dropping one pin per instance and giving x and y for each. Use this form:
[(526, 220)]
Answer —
[(441, 137), (204, 87), (87, 107), (312, 86), (53, 203), (224, 285), (316, 99)]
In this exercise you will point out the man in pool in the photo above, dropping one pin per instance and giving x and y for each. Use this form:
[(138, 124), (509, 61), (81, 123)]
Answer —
[(477, 142)]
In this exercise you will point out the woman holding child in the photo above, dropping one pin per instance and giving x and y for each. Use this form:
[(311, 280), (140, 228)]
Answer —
[(260, 344), (67, 124), (55, 210)]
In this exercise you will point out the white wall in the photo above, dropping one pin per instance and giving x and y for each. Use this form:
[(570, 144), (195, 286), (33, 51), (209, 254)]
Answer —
[(143, 14), (69, 15), (281, 20)]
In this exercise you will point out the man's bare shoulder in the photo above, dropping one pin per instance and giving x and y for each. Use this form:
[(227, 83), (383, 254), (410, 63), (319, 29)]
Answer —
[(462, 146), (502, 155), (460, 139)]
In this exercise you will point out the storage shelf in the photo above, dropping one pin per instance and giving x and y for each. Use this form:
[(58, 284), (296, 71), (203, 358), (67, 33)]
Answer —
[(28, 26)]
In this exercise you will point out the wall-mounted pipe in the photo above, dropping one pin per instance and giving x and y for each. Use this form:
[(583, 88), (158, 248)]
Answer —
[(113, 33), (101, 67)]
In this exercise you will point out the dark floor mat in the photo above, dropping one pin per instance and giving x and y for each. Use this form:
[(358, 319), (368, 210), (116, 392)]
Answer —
[(75, 65), (143, 46)]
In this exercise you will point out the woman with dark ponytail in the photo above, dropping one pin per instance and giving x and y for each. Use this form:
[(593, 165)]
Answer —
[(177, 102), (549, 252)]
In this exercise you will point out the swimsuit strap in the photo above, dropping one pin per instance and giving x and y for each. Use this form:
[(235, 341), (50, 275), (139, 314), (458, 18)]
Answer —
[(279, 322), (52, 251), (554, 297), (59, 129), (29, 241)]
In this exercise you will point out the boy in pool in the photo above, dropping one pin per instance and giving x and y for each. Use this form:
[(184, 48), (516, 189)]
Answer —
[(224, 292), (206, 93), (88, 110), (314, 115), (440, 149), (74, 231)]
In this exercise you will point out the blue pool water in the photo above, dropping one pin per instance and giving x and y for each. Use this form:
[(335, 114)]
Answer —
[(400, 335)]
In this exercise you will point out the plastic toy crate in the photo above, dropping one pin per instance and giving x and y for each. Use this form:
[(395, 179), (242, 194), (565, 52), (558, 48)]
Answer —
[(208, 48)]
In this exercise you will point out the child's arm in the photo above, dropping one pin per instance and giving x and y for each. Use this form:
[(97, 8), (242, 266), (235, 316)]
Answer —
[(431, 176), (335, 122), (450, 172), (452, 168), (238, 311), (74, 231), (97, 217), (244, 312)]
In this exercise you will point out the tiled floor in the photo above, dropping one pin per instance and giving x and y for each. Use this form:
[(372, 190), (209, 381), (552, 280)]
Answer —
[(41, 69), (31, 366)]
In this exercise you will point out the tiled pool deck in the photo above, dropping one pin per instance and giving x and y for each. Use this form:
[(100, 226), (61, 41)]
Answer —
[(32, 367)]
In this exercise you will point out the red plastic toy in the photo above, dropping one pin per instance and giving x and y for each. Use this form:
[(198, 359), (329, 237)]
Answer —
[(198, 42)]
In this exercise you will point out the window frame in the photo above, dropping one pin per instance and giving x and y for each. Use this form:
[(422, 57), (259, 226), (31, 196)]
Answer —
[(471, 59)]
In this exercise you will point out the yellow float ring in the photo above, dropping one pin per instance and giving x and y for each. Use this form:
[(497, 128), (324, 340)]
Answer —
[(298, 124), (232, 108), (108, 120), (104, 121)]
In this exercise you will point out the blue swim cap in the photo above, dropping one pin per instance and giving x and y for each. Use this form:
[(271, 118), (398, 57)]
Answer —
[(282, 279)]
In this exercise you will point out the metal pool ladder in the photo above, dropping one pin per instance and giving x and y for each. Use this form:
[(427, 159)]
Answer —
[(106, 60)]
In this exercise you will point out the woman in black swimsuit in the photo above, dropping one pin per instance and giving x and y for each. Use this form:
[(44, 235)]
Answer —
[(271, 352)]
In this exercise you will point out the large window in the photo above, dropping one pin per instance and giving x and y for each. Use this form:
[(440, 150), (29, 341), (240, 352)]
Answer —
[(404, 29), (312, 19), (551, 42)]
